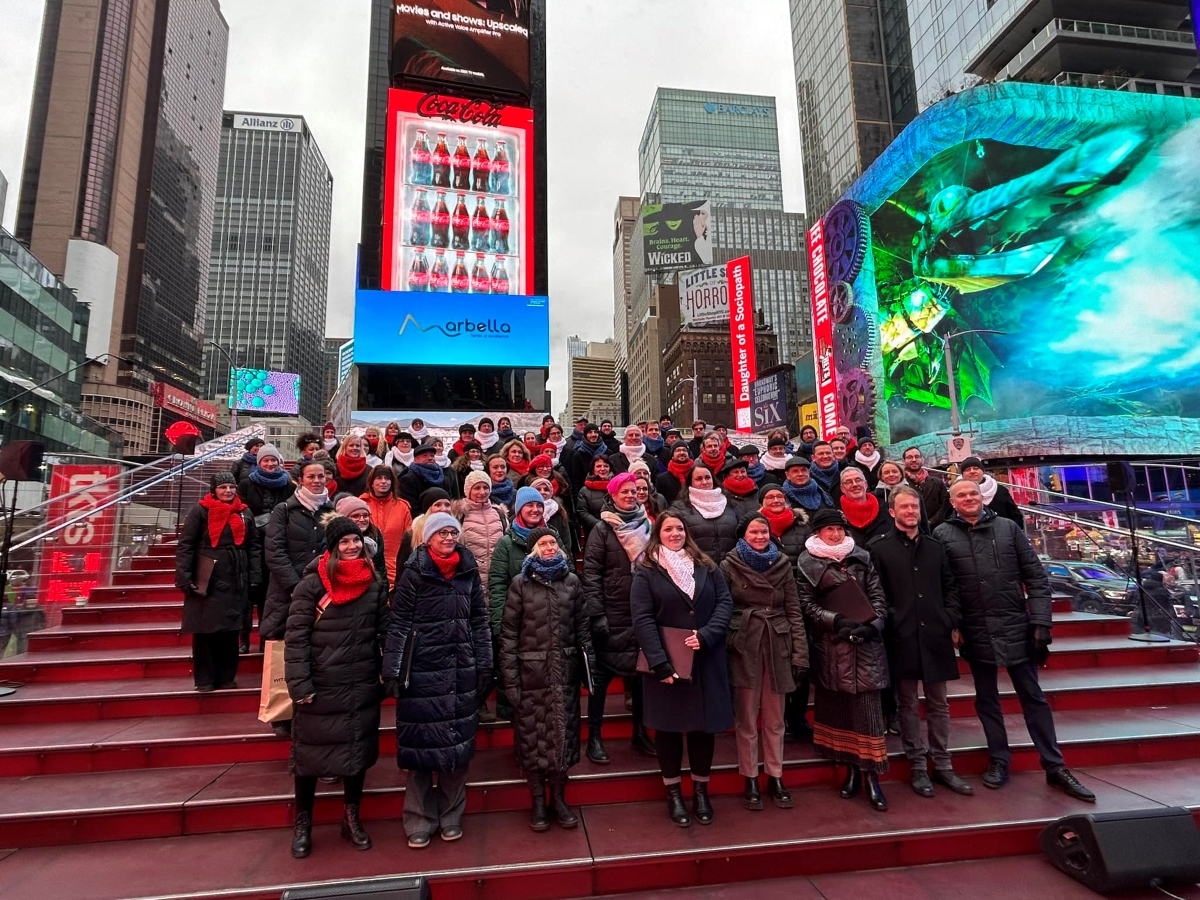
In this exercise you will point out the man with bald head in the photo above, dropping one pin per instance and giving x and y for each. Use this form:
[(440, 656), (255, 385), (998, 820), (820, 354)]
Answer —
[(1004, 594)]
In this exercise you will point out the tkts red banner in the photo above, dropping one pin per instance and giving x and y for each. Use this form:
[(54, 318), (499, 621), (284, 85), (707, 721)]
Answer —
[(79, 557), (741, 336), (827, 400)]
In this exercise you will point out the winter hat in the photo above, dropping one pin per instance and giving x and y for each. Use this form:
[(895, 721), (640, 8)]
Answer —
[(639, 466), (526, 495), (617, 482), (473, 478), (672, 431), (797, 461), (745, 521), (541, 460), (748, 450), (537, 534), (762, 494), (425, 447), (734, 464), (466, 428), (438, 521), (430, 496), (252, 443), (488, 421), (825, 517), (776, 442), (680, 445), (221, 478), (472, 445), (546, 481), (403, 436), (589, 428), (269, 450), (348, 505), (971, 462), (336, 528)]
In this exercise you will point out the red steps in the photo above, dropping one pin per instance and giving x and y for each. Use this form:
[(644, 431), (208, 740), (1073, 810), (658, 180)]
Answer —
[(163, 592), (109, 637), (109, 665), (124, 613), (127, 577)]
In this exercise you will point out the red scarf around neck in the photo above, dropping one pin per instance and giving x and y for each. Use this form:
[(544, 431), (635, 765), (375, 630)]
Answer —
[(860, 513), (680, 470), (354, 576), (597, 484), (351, 467), (220, 514), (741, 488), (521, 467), (781, 522), (716, 463), (447, 565)]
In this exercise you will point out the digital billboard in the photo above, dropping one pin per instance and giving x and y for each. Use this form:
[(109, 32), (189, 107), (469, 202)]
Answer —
[(769, 401), (741, 339), (458, 211), (1065, 219), (704, 296), (412, 328), (481, 43), (262, 391), (677, 235)]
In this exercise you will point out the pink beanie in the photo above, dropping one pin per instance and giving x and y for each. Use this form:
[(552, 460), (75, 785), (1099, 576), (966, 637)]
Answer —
[(617, 481)]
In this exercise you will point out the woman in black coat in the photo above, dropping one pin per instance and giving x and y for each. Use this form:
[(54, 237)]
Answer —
[(353, 470), (267, 485), (438, 666), (706, 512), (676, 586), (789, 525), (593, 495), (866, 517), (545, 655), (218, 532), (332, 660)]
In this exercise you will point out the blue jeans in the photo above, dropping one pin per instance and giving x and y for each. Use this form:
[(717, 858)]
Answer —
[(1038, 717)]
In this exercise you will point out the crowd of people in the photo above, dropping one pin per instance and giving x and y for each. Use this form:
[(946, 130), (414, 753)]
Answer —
[(725, 586)]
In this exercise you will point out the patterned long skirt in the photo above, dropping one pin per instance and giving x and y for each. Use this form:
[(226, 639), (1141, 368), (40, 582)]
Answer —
[(849, 729)]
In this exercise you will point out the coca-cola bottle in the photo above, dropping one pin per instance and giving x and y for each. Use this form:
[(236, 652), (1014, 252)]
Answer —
[(500, 228), (418, 272), (441, 163), (481, 167), (501, 176), (500, 276), (480, 282), (460, 281), (481, 227), (440, 223), (421, 220), (460, 225), (462, 165), (439, 275), (421, 160)]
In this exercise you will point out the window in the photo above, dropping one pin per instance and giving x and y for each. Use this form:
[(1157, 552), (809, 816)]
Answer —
[(233, 243)]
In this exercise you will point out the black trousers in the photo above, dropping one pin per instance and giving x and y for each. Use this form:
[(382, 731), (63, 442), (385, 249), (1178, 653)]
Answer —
[(796, 707), (700, 748), (258, 599), (602, 678), (215, 658), (1039, 720), (306, 791)]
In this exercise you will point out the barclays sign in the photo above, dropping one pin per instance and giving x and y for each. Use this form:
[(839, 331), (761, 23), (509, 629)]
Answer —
[(735, 110)]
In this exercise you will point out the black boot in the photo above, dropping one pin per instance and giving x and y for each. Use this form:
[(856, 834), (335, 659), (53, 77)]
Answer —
[(352, 829), (875, 793), (595, 748), (558, 802), (779, 794), (539, 820), (302, 836), (852, 784), (752, 799), (244, 645), (676, 808), (641, 741), (701, 805)]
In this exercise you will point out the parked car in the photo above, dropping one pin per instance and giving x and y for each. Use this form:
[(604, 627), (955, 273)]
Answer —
[(1092, 587)]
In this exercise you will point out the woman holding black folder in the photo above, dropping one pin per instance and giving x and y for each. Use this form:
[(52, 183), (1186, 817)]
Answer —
[(681, 612), (845, 609)]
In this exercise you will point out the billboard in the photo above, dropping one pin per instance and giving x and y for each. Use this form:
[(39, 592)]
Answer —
[(345, 360), (445, 425), (79, 557), (704, 296), (412, 328), (1065, 219), (769, 401), (475, 43), (677, 235), (262, 391), (823, 363), (458, 210), (183, 404), (741, 338)]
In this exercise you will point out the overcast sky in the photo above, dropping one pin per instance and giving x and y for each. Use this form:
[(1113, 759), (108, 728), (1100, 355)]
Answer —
[(308, 57)]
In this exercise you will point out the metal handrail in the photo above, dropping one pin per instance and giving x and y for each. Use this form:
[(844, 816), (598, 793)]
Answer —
[(1100, 526)]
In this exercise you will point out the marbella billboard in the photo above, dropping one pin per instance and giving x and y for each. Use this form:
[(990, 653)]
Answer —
[(677, 235), (1065, 221), (458, 210), (264, 391)]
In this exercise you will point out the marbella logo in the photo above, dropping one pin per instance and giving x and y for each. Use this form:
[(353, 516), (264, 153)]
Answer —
[(458, 329)]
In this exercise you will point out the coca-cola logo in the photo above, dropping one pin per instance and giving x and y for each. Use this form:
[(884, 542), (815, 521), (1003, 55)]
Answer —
[(453, 109), (500, 166), (500, 225)]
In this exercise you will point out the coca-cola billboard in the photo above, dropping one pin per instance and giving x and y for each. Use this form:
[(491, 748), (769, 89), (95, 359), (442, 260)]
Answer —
[(457, 211)]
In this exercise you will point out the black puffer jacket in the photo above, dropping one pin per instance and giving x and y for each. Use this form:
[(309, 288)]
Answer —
[(544, 635), (837, 665), (412, 484), (337, 660), (261, 501), (222, 608), (438, 637), (715, 537), (589, 503), (792, 540), (607, 579), (743, 505), (295, 537), (991, 560)]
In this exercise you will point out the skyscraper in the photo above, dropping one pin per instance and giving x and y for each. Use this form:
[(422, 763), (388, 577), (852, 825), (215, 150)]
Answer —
[(269, 267), (589, 379), (625, 220)]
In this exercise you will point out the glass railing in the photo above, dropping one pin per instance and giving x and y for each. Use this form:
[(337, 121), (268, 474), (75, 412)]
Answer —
[(1058, 27)]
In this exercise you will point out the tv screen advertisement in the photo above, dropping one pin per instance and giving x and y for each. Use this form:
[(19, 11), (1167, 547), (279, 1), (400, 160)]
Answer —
[(474, 43), (263, 391), (677, 236), (458, 211), (411, 328)]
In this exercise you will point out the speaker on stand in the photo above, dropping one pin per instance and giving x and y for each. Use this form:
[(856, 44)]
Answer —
[(19, 461), (1122, 480)]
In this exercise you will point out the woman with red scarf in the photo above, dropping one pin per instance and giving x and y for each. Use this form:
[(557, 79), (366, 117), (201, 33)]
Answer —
[(739, 488), (217, 560), (517, 455), (789, 525), (866, 517), (351, 464), (337, 622), (593, 495)]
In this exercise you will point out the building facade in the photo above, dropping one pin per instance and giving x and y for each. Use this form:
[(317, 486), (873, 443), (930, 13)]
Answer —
[(576, 347), (625, 240), (705, 352), (269, 265), (590, 378), (333, 368)]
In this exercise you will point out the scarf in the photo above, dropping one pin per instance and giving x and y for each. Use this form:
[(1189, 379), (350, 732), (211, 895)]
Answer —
[(521, 466), (709, 503), (419, 434), (779, 523), (805, 448), (653, 444), (559, 444), (351, 467), (275, 482), (631, 528), (220, 514), (442, 460), (811, 496), (431, 473), (447, 565), (759, 561), (757, 472), (549, 509), (595, 450), (310, 501), (476, 465), (487, 441), (826, 478), (716, 463), (504, 492), (597, 484), (398, 456), (680, 470), (330, 443), (822, 550), (917, 479), (988, 488), (741, 488), (774, 463), (633, 454), (869, 461), (860, 513), (680, 567), (552, 569), (506, 435), (354, 576), (250, 459)]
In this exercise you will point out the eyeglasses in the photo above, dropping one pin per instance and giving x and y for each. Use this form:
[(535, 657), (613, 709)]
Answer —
[(447, 534)]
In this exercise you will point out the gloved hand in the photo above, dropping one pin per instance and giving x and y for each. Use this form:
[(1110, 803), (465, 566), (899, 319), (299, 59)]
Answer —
[(391, 687), (840, 622), (483, 684), (1041, 637), (844, 633), (864, 633), (799, 673), (599, 630), (664, 671)]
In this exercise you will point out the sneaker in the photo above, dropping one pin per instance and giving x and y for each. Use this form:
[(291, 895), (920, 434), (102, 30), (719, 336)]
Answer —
[(418, 840), (950, 779), (996, 775), (452, 833), (1069, 785)]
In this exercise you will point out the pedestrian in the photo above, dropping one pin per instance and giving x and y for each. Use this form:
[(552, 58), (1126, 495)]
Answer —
[(755, 469), (673, 480), (518, 458), (504, 430), (789, 526), (329, 439), (676, 585), (433, 500), (357, 511), (653, 439), (400, 457), (848, 660), (591, 497), (422, 474), (654, 502), (712, 456), (705, 510), (466, 435), (825, 469), (262, 490), (775, 462), (390, 431), (801, 490), (867, 458), (511, 550), (866, 517), (487, 437), (545, 654), (391, 515), (841, 452), (336, 623), (217, 559), (808, 442), (996, 496), (739, 488), (483, 522), (542, 466), (467, 461), (248, 460), (583, 451), (554, 515), (307, 445), (532, 441), (696, 442), (608, 436), (612, 548), (504, 491), (923, 617), (632, 450), (768, 653), (352, 468), (929, 485), (438, 665), (1004, 594), (376, 449)]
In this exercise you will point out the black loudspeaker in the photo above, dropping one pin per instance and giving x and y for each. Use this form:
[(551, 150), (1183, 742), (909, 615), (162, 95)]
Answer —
[(1121, 479), (22, 460), (411, 888), (1121, 851), (186, 444)]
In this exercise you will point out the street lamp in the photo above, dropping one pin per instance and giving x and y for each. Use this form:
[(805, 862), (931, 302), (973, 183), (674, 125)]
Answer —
[(955, 428), (233, 418)]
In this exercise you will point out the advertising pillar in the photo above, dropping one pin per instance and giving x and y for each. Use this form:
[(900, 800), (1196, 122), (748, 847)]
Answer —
[(827, 400), (741, 335)]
